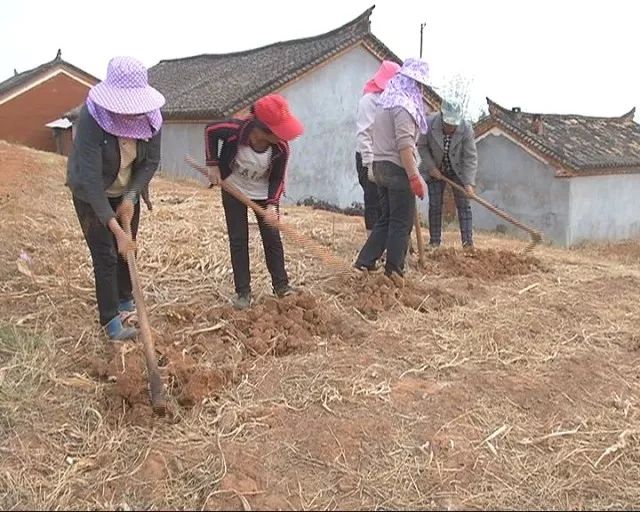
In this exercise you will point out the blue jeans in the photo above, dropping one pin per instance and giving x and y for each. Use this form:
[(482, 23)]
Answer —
[(463, 205), (393, 229)]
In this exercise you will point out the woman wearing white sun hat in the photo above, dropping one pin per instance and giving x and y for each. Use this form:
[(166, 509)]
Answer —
[(115, 154), (449, 149)]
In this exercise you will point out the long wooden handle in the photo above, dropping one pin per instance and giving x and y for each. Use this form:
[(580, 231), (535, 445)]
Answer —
[(316, 249), (158, 401), (536, 236), (419, 239)]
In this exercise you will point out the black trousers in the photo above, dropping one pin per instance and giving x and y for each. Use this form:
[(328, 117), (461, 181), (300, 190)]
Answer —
[(238, 229), (393, 229), (463, 205), (110, 270), (372, 209)]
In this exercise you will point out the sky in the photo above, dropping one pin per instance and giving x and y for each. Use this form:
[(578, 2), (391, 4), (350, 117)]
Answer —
[(547, 56)]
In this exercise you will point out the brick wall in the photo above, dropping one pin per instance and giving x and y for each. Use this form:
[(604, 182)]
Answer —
[(23, 118)]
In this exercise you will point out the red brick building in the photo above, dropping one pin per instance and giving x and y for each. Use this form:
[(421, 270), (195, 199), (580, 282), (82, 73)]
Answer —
[(32, 99)]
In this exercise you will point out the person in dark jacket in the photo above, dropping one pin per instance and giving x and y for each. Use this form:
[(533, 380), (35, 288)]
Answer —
[(449, 149), (252, 154), (116, 152)]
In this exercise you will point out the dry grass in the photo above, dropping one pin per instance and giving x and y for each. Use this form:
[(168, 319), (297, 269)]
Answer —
[(489, 382)]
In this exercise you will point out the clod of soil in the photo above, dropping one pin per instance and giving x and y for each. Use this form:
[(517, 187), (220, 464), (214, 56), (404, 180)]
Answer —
[(483, 264), (194, 383), (375, 294), (279, 327), (285, 326), (187, 381)]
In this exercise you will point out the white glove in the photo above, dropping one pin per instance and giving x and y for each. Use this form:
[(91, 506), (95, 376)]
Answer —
[(370, 175)]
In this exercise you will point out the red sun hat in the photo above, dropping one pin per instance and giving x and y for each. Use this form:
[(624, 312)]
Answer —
[(273, 111)]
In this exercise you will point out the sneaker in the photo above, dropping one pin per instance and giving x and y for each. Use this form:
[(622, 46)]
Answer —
[(127, 312), (241, 301), (362, 270), (284, 291), (118, 332), (378, 267), (433, 247), (127, 306), (367, 268), (469, 249), (359, 272)]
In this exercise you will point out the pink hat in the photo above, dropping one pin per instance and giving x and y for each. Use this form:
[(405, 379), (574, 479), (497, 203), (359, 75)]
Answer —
[(126, 89), (385, 72), (273, 111)]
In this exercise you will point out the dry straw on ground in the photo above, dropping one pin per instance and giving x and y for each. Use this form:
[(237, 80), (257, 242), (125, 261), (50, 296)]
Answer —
[(494, 381)]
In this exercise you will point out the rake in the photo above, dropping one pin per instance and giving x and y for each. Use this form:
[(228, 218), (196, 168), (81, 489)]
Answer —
[(158, 401), (330, 259), (534, 234)]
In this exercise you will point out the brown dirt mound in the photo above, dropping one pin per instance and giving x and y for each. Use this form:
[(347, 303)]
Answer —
[(192, 382), (285, 326), (19, 165), (279, 327), (376, 294), (124, 368), (185, 380), (483, 264)]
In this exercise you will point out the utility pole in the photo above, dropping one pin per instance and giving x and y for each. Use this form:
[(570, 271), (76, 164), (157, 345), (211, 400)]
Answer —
[(422, 25)]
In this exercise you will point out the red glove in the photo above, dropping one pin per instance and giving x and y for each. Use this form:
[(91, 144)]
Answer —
[(417, 185)]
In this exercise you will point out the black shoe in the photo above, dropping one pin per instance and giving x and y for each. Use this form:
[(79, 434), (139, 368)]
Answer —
[(241, 301), (118, 332), (366, 268), (284, 291)]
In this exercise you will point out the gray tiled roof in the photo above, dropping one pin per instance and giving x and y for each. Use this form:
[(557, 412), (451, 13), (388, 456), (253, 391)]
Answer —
[(210, 86), (25, 76), (579, 143)]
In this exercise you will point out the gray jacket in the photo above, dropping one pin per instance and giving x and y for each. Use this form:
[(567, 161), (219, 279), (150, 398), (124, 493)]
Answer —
[(462, 150), (393, 130), (94, 164)]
